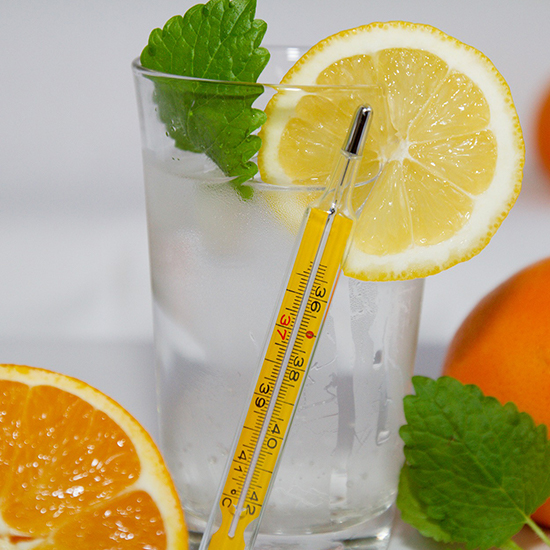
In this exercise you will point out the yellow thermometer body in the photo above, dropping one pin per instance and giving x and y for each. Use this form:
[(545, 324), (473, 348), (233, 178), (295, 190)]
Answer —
[(282, 375), (323, 244)]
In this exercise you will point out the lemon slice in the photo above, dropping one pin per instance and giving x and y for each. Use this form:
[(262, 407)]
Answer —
[(445, 146)]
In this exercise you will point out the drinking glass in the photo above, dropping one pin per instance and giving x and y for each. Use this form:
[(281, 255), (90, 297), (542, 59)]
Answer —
[(218, 256)]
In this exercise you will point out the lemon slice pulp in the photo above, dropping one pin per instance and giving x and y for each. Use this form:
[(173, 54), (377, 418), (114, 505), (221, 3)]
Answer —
[(445, 148)]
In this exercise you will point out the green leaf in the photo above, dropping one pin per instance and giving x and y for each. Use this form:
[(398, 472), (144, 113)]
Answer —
[(219, 41), (510, 545), (475, 469), (412, 510)]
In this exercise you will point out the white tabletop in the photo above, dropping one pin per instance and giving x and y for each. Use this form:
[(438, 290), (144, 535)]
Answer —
[(125, 372)]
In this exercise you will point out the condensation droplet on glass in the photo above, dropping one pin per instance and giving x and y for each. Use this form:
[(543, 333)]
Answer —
[(382, 437)]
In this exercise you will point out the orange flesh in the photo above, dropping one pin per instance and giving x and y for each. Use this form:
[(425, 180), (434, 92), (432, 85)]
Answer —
[(66, 473)]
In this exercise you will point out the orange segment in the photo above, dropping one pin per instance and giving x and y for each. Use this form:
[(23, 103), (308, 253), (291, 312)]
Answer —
[(78, 471), (76, 455), (131, 521), (12, 404)]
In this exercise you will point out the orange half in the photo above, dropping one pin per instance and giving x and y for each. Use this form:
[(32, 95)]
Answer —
[(78, 472)]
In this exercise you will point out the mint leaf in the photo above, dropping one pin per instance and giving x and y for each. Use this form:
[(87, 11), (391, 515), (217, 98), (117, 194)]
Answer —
[(219, 40), (412, 510), (475, 469)]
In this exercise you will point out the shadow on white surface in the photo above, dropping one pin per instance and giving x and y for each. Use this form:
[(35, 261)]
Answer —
[(405, 537)]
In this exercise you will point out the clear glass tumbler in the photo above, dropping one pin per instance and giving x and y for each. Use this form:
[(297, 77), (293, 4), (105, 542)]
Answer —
[(219, 255)]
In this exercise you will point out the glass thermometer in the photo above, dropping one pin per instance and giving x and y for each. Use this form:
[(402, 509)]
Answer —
[(323, 243)]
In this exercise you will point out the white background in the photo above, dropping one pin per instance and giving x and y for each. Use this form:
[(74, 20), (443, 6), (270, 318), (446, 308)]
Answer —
[(74, 283), (72, 224)]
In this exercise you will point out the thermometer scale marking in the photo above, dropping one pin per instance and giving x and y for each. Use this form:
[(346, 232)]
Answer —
[(271, 408), (323, 245)]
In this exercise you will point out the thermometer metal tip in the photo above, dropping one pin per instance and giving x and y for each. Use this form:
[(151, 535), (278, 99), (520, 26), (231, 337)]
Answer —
[(355, 140)]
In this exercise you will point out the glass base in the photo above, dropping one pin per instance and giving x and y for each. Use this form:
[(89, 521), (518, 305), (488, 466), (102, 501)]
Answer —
[(373, 534)]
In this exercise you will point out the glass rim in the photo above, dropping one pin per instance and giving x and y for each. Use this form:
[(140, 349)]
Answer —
[(256, 183), (138, 68)]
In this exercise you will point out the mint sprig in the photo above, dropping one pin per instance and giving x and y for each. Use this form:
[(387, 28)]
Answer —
[(475, 470), (219, 40)]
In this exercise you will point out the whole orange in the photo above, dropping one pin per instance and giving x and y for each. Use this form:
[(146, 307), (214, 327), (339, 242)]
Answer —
[(503, 346), (543, 131)]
